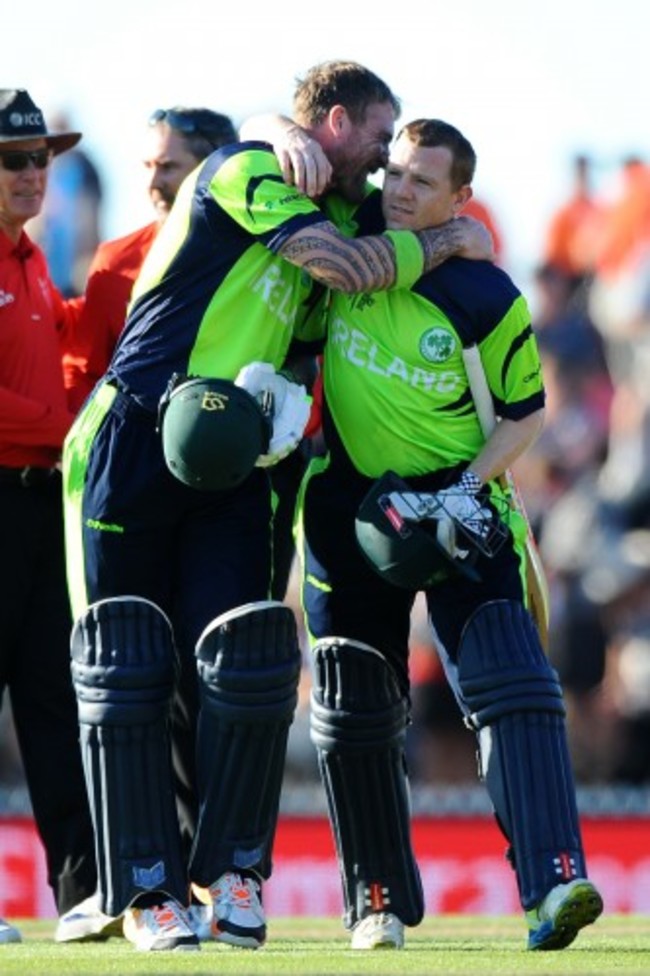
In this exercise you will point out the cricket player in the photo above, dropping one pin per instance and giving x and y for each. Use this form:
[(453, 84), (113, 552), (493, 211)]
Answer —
[(407, 499)]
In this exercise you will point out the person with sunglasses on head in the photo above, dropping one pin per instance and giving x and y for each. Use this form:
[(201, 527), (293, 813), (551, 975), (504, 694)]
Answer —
[(35, 616), (176, 141), (168, 511)]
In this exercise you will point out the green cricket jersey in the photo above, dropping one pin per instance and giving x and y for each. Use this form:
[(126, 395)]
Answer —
[(394, 380)]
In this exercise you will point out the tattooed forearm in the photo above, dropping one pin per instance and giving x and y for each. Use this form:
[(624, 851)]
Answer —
[(384, 256), (341, 263), (331, 273), (440, 243), (463, 236), (369, 263)]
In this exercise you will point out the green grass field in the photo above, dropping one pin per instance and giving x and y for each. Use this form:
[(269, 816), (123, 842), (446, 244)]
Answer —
[(319, 947)]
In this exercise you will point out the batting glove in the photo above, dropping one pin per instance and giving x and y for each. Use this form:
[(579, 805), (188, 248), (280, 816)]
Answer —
[(459, 502), (286, 403)]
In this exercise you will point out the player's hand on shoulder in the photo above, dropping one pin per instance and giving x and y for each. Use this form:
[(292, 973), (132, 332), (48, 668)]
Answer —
[(475, 239)]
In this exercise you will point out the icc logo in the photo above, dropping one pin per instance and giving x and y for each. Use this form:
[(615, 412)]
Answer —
[(18, 119), (214, 401)]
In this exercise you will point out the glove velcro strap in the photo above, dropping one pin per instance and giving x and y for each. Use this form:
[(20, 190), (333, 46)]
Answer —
[(470, 482)]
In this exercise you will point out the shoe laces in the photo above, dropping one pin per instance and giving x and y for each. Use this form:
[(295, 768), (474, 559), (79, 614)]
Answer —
[(377, 920), (233, 889), (168, 917)]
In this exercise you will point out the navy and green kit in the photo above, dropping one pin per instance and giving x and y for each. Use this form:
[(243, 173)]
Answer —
[(213, 295), (396, 397)]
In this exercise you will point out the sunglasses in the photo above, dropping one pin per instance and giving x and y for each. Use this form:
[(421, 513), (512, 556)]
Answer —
[(191, 124), (16, 160)]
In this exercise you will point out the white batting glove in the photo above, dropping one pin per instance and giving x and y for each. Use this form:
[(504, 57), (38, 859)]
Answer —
[(458, 502), (286, 403), (256, 378)]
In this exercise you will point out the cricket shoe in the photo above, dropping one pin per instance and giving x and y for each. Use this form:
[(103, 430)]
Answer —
[(237, 913), (381, 930), (565, 910), (160, 928), (8, 933), (86, 922)]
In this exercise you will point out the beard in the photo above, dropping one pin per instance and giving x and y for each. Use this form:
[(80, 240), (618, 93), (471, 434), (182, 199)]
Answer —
[(351, 186)]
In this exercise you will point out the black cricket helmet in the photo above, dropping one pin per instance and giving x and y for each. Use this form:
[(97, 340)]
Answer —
[(413, 555), (212, 432)]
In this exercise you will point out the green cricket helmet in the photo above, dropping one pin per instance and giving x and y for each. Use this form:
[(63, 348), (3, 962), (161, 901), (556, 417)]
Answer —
[(212, 432), (406, 553)]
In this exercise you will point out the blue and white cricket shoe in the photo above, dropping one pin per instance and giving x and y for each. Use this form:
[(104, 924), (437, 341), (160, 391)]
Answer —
[(565, 910)]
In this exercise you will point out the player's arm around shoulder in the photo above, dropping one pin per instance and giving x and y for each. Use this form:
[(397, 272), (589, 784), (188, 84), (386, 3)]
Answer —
[(301, 158), (372, 263), (393, 259)]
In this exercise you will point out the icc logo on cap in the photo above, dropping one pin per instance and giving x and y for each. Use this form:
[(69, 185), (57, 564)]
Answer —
[(25, 118)]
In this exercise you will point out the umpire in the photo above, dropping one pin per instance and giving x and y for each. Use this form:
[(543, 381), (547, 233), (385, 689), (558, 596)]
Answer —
[(34, 611)]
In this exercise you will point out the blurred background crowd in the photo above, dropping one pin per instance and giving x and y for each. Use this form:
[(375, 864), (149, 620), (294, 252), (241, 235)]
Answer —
[(586, 482), (586, 485)]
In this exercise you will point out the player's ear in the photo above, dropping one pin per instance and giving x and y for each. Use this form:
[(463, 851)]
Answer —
[(462, 197), (338, 120)]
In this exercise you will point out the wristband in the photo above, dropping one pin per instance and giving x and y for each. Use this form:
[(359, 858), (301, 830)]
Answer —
[(409, 257)]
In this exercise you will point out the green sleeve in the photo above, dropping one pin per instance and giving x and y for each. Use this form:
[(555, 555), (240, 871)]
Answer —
[(408, 255)]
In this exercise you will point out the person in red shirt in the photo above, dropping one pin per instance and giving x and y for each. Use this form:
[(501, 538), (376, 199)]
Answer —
[(177, 140), (35, 616)]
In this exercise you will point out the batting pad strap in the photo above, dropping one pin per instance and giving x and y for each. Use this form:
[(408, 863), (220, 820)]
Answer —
[(358, 725), (249, 665), (502, 667)]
